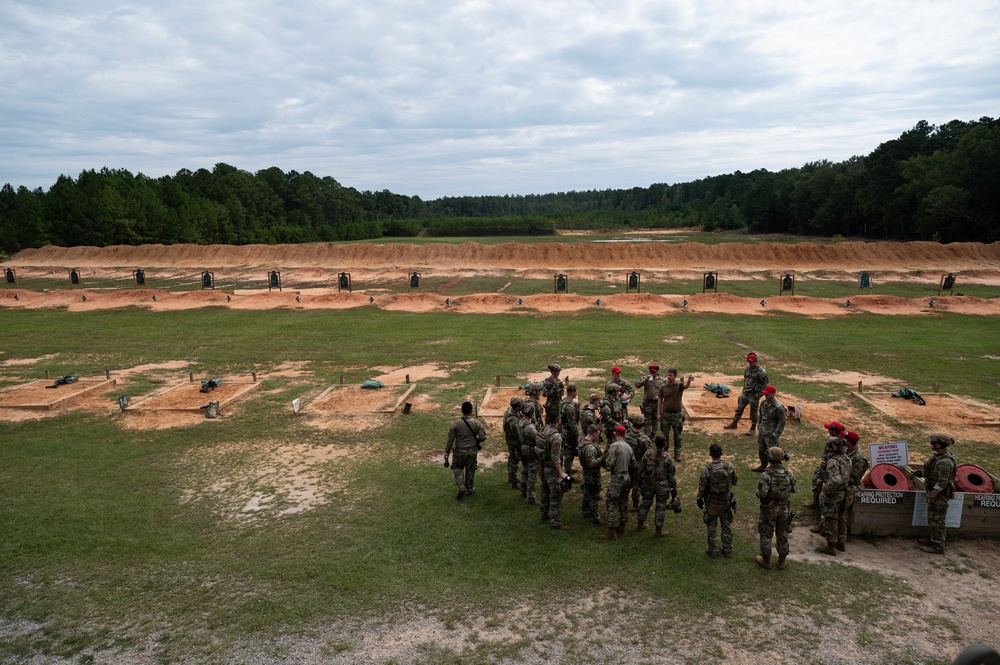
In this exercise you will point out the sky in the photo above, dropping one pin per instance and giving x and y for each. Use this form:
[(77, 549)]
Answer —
[(439, 98)]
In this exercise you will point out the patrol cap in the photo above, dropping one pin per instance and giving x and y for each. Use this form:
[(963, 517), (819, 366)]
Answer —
[(853, 437), (637, 419), (835, 425), (942, 439), (751, 357), (770, 390), (516, 401), (555, 368), (616, 370), (619, 429)]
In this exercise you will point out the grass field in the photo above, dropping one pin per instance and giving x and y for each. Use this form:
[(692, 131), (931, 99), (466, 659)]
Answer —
[(124, 540)]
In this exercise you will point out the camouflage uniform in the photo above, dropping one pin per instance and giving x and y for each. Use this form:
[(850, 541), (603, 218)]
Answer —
[(527, 435), (859, 464), (619, 460), (548, 447), (553, 390), (589, 456), (673, 414), (817, 481), (569, 416), (754, 382), (657, 479), (537, 415), (650, 385), (770, 425), (590, 417), (939, 474), (716, 497), (465, 436), (836, 476), (612, 414), (511, 418), (775, 487), (625, 391), (639, 443)]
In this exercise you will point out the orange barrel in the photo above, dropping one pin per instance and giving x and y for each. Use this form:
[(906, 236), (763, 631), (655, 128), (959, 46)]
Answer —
[(866, 480), (889, 477), (970, 478)]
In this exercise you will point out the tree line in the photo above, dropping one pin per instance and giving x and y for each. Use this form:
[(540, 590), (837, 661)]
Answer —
[(932, 183)]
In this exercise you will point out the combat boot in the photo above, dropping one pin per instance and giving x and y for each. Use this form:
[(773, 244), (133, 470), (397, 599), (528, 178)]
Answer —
[(610, 534), (812, 504), (764, 562), (659, 533), (930, 549), (641, 526), (753, 428), (760, 467), (731, 425), (621, 529), (781, 563), (816, 528), (827, 549), (841, 547)]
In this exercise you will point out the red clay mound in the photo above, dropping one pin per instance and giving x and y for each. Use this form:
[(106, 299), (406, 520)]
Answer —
[(555, 256)]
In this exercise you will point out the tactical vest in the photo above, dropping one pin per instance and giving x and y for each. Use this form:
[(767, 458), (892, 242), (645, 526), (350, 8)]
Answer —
[(780, 485), (719, 480)]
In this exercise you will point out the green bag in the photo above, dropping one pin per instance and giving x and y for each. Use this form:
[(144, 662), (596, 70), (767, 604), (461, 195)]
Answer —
[(907, 393), (720, 389), (372, 384)]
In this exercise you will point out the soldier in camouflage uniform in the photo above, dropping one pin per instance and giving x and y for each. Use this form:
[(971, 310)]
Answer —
[(590, 414), (835, 431), (625, 390), (528, 435), (770, 424), (658, 479), (612, 412), (618, 460), (715, 500), (671, 408), (511, 418), (591, 460), (569, 418), (548, 448), (538, 417), (651, 384), (832, 504), (939, 479), (754, 382), (639, 443), (466, 437), (859, 465), (776, 486), (552, 389)]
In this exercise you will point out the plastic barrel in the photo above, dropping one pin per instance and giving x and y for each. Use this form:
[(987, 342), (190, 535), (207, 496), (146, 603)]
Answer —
[(971, 478), (889, 477)]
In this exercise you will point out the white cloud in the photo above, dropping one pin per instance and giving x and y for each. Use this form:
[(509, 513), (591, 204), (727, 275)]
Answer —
[(476, 97)]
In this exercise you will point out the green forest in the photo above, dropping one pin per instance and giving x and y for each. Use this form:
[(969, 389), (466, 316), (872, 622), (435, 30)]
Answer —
[(937, 183)]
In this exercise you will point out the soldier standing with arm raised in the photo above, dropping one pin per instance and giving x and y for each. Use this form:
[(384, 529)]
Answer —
[(671, 409), (754, 382)]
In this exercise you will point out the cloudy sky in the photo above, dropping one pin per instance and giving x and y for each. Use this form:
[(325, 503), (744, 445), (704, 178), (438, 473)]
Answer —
[(436, 98)]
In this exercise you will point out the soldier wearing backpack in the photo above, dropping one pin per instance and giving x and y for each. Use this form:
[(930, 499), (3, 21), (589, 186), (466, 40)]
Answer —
[(639, 443), (569, 427), (591, 460), (775, 487), (552, 389), (658, 480), (715, 499), (511, 418), (835, 431), (527, 435), (859, 464), (939, 479)]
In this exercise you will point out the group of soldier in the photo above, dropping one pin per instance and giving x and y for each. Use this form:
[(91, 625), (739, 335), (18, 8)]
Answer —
[(545, 439)]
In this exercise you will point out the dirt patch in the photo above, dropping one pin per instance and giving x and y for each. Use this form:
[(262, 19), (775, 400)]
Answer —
[(940, 409), (15, 362), (416, 373), (188, 396), (846, 378), (38, 394), (354, 400), (246, 481)]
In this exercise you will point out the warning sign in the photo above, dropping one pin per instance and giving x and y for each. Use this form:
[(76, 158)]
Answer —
[(891, 452)]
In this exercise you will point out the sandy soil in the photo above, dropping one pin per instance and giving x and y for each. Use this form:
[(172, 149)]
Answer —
[(313, 269)]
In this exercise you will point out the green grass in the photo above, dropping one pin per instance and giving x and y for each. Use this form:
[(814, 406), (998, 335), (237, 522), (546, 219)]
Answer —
[(104, 545)]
